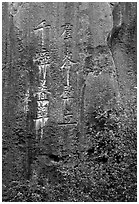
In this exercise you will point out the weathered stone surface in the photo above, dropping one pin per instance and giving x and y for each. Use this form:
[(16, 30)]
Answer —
[(69, 100), (123, 45), (101, 82), (101, 22)]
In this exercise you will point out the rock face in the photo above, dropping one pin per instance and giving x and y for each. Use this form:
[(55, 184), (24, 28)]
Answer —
[(123, 42), (69, 88)]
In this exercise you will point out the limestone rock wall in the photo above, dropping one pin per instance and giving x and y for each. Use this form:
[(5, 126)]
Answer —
[(123, 43), (69, 79)]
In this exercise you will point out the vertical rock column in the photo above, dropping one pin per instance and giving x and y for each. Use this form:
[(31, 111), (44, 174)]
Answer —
[(68, 69), (84, 40), (42, 94)]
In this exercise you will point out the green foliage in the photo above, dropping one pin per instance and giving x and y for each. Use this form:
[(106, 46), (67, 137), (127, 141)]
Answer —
[(24, 192), (108, 172)]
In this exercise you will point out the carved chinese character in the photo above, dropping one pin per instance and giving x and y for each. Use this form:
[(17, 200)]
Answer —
[(68, 50), (68, 119), (68, 92), (42, 109), (42, 95), (42, 57), (39, 30), (40, 123), (67, 26), (68, 63), (42, 71), (67, 33)]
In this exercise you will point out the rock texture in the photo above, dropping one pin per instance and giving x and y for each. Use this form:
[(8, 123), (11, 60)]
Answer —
[(123, 43), (69, 101)]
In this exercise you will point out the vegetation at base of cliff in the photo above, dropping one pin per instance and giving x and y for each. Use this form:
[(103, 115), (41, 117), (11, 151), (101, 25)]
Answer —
[(108, 172)]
